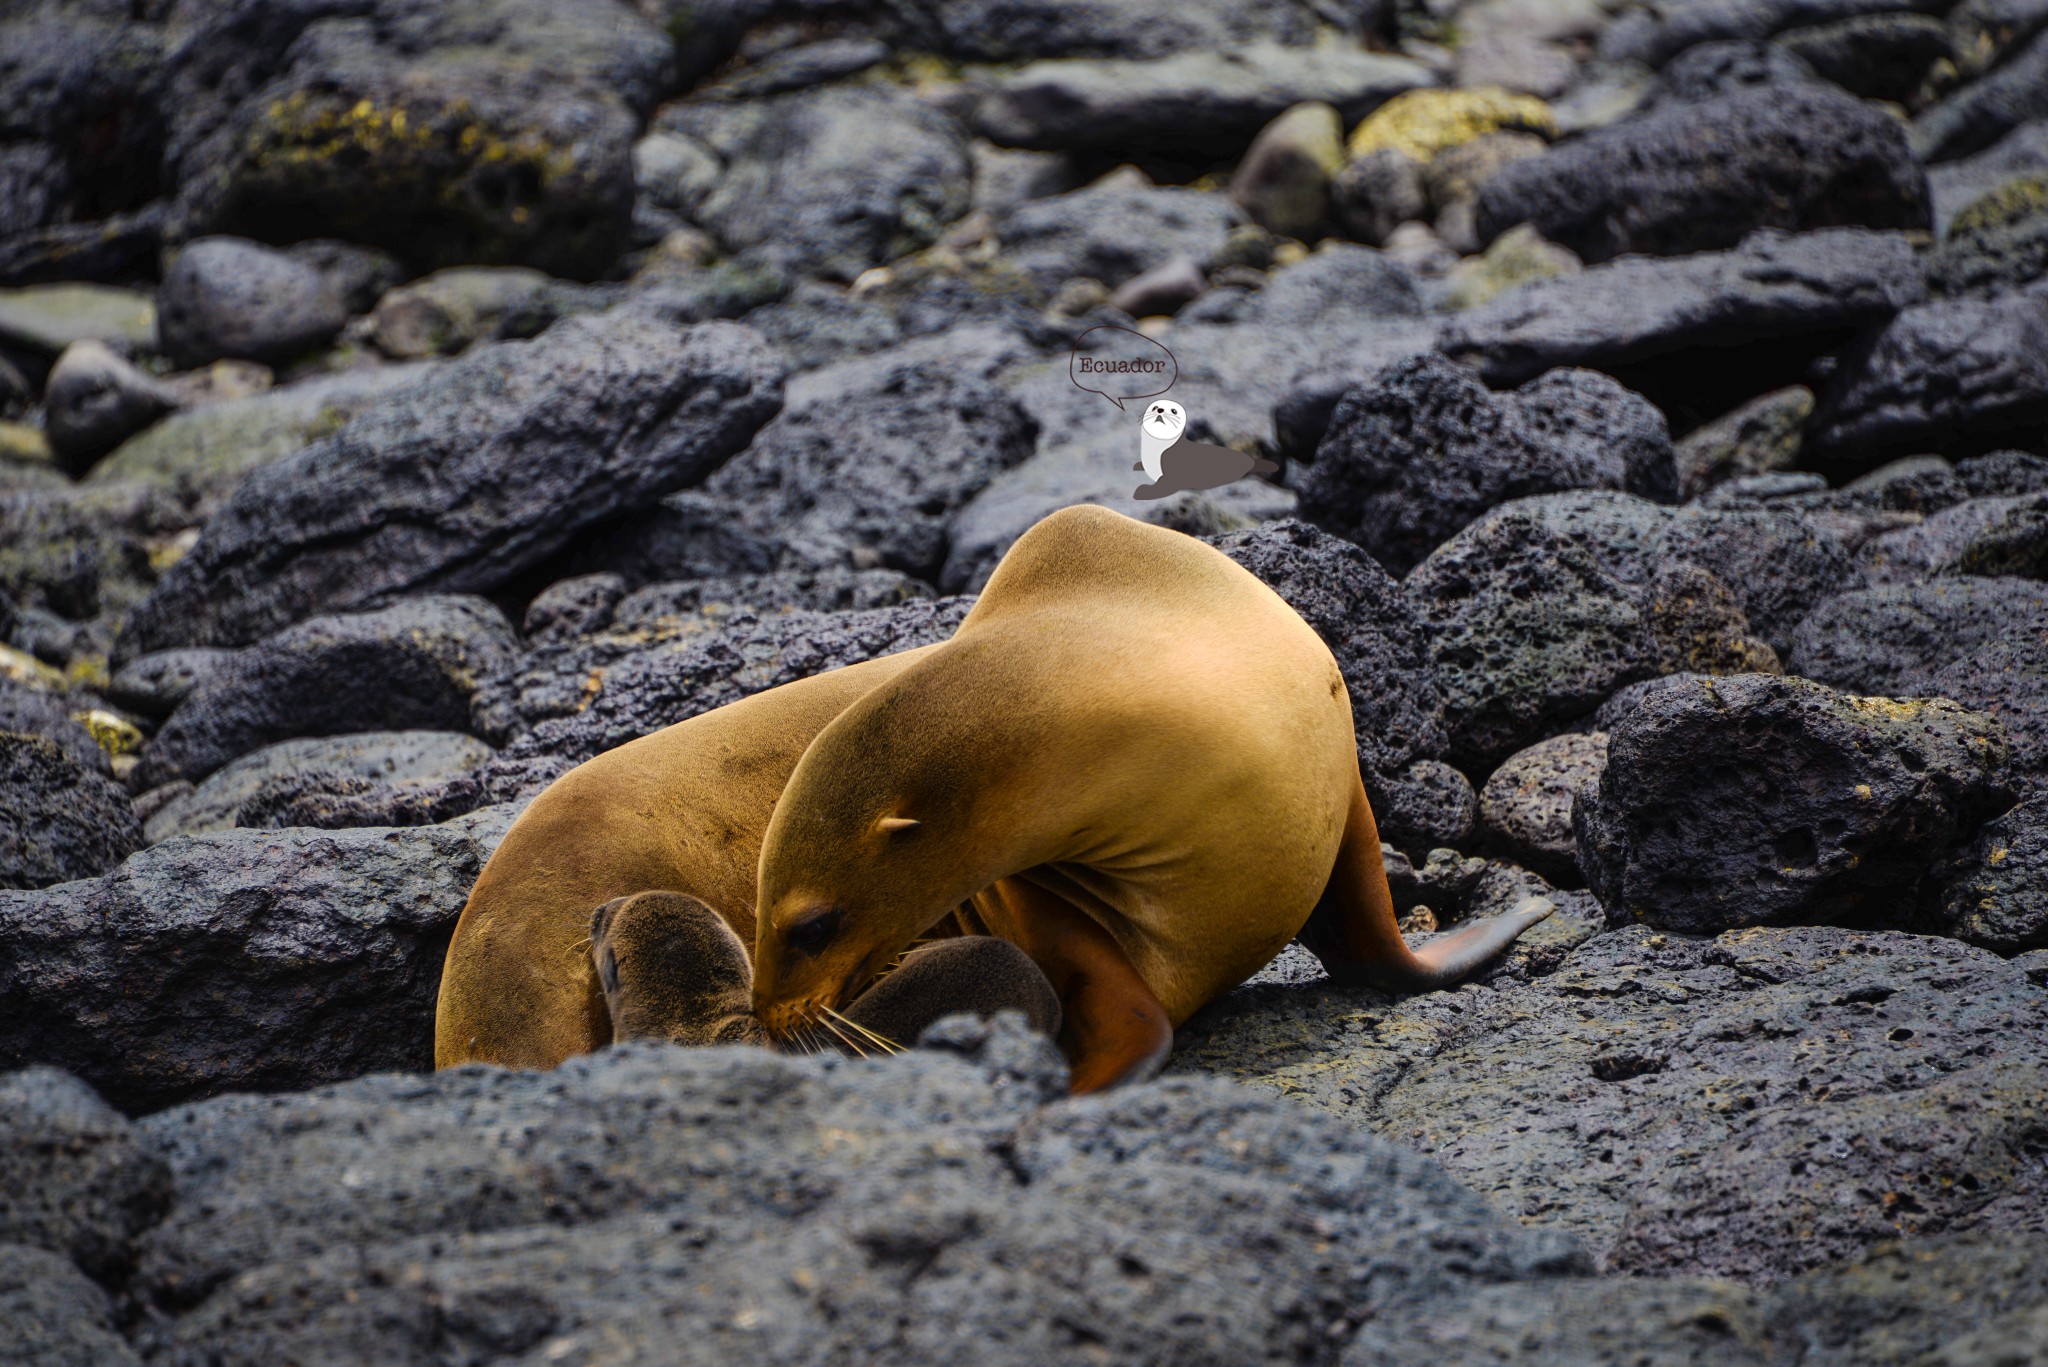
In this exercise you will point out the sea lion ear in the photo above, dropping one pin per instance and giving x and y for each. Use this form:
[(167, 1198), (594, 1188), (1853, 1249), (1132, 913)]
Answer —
[(895, 823)]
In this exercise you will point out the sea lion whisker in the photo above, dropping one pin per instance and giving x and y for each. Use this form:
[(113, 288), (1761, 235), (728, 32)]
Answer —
[(883, 1040), (849, 1041)]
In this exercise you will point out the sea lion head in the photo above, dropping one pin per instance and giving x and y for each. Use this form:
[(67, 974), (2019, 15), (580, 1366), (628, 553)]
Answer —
[(1165, 420), (888, 823)]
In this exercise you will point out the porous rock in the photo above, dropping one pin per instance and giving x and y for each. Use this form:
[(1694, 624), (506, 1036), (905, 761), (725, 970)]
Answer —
[(1525, 807), (227, 297), (1944, 376), (1737, 1106), (414, 665), (59, 821), (815, 1183), (390, 759), (247, 959), (830, 181), (1187, 100), (528, 443), (1775, 286), (1362, 615), (79, 1180), (1424, 448), (1981, 641), (1994, 891), (1527, 631), (56, 1316), (1702, 176), (1764, 800)]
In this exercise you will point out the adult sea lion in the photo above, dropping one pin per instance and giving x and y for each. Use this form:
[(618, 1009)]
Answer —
[(621, 903), (679, 811), (1134, 761)]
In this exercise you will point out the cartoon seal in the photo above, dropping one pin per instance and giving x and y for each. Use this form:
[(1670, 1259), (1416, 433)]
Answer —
[(671, 968), (1135, 762), (1176, 464)]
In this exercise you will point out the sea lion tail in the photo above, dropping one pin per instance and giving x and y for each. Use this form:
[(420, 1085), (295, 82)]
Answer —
[(1262, 466), (1446, 960)]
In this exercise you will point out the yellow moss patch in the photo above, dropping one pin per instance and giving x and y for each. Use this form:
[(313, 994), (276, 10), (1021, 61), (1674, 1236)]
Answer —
[(1892, 709), (115, 735), (24, 668), (2020, 197), (1423, 123), (24, 444)]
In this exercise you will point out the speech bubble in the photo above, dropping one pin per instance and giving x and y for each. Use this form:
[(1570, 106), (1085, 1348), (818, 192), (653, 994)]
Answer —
[(1122, 360)]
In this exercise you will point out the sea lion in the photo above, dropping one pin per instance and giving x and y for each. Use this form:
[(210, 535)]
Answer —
[(1134, 761), (620, 905), (671, 968), (680, 811), (1177, 464)]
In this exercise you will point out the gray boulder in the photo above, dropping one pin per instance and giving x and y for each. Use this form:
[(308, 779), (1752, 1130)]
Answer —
[(1996, 243), (1678, 27), (1777, 562), (497, 133), (675, 675), (1994, 891), (95, 400), (829, 181), (154, 685), (1186, 100), (1954, 185), (248, 959), (414, 665), (1980, 641), (1115, 229), (1943, 375), (390, 759), (228, 297), (818, 1184), (1981, 112), (871, 477), (1694, 1107), (2005, 536), (1761, 800), (1525, 807), (471, 477), (1527, 631), (693, 624), (58, 820), (1774, 287), (56, 1316), (79, 1180), (1024, 30), (1424, 448), (1703, 176), (1877, 56)]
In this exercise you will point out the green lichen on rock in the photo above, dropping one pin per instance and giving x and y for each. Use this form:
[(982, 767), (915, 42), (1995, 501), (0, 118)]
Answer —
[(1996, 242)]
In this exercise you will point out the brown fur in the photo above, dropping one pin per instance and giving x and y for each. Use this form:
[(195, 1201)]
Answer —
[(1134, 760)]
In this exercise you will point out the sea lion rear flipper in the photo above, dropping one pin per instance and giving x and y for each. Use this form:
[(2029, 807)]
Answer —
[(1354, 932), (1115, 1031), (671, 968)]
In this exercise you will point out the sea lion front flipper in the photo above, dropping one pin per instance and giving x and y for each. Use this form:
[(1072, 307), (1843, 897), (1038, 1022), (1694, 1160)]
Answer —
[(671, 968), (1115, 1031), (974, 973), (1353, 929)]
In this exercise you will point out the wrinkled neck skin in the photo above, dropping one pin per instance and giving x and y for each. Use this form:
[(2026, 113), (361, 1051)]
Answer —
[(979, 746), (1153, 449)]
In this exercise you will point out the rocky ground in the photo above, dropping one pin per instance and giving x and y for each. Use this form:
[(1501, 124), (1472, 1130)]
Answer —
[(401, 403)]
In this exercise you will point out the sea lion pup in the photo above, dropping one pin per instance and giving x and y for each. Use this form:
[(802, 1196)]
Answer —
[(671, 968), (682, 811), (1136, 762)]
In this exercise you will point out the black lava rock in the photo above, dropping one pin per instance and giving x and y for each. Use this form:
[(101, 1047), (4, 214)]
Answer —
[(1425, 448), (465, 480), (1759, 800), (1702, 176)]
